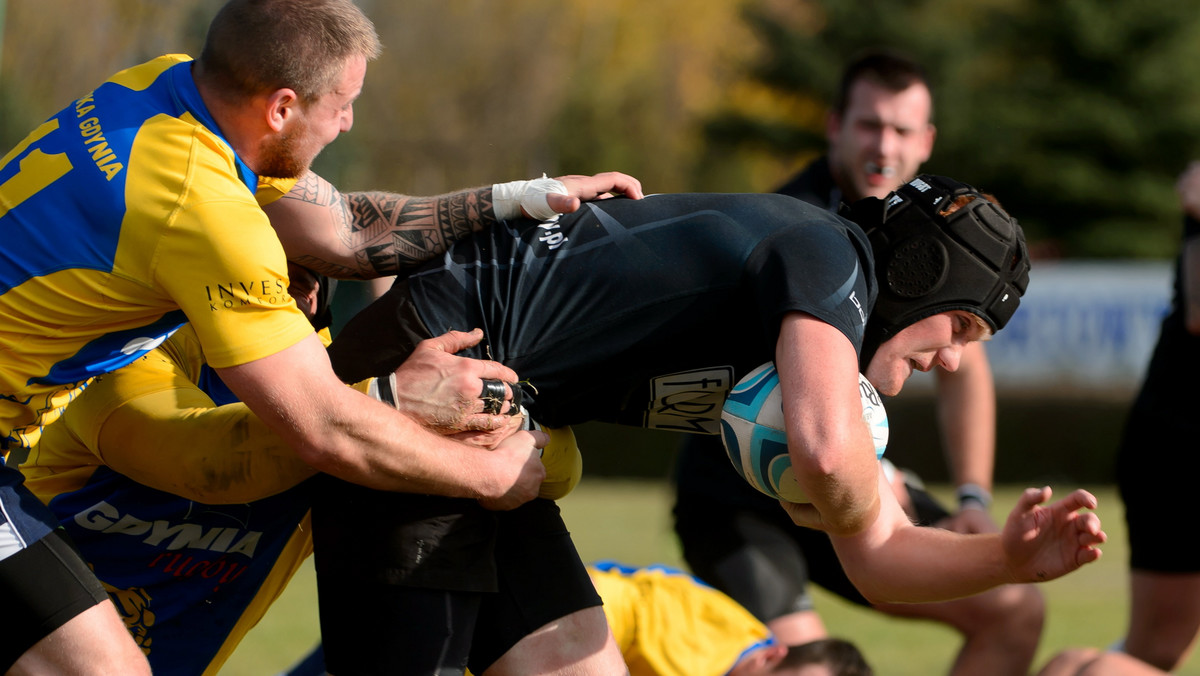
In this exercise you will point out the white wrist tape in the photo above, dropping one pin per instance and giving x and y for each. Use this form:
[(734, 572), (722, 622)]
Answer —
[(508, 199), (383, 389)]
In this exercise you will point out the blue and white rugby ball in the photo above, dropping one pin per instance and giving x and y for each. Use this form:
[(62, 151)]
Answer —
[(753, 431)]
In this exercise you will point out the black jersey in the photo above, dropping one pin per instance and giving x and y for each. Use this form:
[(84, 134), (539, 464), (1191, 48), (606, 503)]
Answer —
[(646, 312), (814, 185)]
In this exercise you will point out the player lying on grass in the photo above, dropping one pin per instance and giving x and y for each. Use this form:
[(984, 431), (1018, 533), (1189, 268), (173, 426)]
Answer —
[(668, 623), (645, 313)]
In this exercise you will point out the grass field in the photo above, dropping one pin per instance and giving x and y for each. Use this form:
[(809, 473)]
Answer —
[(630, 521)]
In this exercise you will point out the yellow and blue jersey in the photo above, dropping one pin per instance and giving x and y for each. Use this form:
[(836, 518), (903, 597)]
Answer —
[(124, 216), (668, 623), (189, 578)]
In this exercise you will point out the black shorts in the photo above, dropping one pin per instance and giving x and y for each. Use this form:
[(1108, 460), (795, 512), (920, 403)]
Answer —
[(1156, 468), (42, 587), (764, 561), (530, 576)]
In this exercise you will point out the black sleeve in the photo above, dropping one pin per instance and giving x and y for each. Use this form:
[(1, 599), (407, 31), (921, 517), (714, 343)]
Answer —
[(812, 268)]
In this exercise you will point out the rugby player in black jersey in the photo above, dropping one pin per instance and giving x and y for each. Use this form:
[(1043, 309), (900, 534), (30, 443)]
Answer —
[(646, 313)]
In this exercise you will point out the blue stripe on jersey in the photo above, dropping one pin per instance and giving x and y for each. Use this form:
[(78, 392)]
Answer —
[(112, 351)]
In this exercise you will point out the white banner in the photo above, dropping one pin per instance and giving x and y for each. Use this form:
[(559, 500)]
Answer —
[(1086, 325)]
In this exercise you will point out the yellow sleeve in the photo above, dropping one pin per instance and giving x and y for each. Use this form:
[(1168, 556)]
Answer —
[(152, 423), (224, 265), (271, 189)]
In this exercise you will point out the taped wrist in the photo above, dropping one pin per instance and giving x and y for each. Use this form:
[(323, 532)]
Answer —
[(508, 199), (383, 389), (973, 495)]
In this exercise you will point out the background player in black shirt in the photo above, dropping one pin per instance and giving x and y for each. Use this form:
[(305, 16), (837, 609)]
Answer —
[(1157, 464), (880, 130)]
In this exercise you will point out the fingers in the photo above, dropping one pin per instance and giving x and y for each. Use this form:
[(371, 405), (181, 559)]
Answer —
[(453, 342), (563, 204), (802, 514), (493, 395), (608, 183), (1032, 497), (625, 185), (1080, 499)]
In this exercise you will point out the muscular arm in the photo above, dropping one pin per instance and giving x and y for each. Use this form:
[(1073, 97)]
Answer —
[(364, 235), (893, 561), (177, 441), (342, 432), (832, 453)]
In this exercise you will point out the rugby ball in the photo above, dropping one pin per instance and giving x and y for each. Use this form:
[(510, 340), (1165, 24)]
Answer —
[(753, 432)]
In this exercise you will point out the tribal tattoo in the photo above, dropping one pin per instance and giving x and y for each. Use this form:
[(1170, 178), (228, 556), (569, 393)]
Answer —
[(388, 233)]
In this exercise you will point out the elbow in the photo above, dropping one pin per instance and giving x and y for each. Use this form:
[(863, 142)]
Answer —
[(325, 456)]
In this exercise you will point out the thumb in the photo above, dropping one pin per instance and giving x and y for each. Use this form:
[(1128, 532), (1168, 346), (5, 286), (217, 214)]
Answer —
[(455, 341), (563, 204)]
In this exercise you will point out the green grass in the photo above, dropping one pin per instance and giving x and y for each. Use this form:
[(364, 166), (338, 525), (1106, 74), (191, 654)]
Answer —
[(630, 521)]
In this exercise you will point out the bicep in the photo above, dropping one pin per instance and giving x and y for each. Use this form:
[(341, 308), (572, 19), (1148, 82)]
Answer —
[(315, 226), (291, 390), (818, 369)]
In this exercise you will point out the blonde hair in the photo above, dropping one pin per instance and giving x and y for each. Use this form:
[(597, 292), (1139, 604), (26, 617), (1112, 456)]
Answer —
[(259, 46)]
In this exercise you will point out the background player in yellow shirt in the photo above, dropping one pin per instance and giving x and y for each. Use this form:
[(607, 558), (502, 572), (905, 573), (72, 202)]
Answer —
[(668, 623)]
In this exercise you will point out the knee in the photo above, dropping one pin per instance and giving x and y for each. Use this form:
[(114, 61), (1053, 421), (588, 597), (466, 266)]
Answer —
[(1017, 607)]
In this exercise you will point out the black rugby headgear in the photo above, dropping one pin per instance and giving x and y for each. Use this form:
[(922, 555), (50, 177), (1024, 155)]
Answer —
[(926, 262)]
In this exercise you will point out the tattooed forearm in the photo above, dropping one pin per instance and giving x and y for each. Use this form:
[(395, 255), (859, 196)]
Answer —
[(326, 268), (383, 233), (391, 232)]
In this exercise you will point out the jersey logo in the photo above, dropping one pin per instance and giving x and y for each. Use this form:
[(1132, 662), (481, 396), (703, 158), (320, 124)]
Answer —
[(106, 518), (689, 401)]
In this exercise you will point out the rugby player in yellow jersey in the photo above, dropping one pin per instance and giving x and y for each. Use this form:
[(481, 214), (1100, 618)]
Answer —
[(132, 211), (668, 623)]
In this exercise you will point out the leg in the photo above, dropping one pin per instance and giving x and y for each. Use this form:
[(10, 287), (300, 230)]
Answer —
[(735, 541), (1069, 662), (58, 619), (1164, 577), (1001, 628), (579, 643), (93, 642), (547, 617), (408, 631), (1164, 617), (400, 579)]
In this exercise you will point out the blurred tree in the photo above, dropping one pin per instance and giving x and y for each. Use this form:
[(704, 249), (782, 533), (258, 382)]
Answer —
[(1097, 110), (1078, 114)]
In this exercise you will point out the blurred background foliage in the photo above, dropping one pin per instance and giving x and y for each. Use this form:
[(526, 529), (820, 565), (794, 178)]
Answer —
[(1077, 114)]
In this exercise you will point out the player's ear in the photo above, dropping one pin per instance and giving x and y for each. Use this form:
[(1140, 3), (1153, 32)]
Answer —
[(760, 661), (281, 106)]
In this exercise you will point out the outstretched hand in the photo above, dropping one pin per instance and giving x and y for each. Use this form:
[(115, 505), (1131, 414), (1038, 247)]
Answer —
[(1042, 542), (587, 188), (443, 391)]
